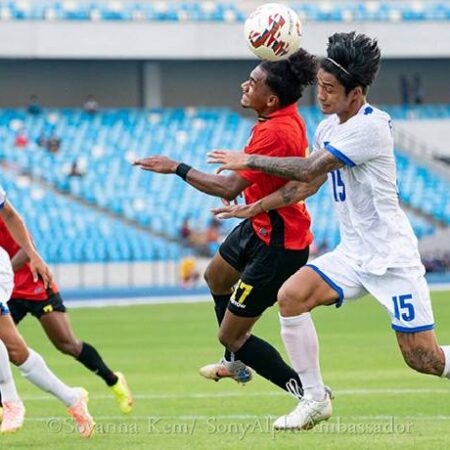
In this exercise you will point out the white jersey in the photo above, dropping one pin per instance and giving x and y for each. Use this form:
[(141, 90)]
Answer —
[(6, 273), (375, 232), (2, 196)]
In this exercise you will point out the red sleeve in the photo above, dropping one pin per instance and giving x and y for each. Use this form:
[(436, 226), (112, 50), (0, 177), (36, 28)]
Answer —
[(266, 143)]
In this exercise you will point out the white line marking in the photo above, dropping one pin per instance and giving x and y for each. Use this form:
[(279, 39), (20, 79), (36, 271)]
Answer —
[(95, 303), (235, 417), (201, 395)]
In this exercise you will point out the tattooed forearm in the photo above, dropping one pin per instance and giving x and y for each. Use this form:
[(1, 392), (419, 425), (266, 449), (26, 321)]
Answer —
[(296, 168), (290, 168), (288, 193)]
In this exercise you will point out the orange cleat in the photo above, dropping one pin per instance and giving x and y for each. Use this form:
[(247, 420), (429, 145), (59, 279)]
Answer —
[(80, 413), (13, 416)]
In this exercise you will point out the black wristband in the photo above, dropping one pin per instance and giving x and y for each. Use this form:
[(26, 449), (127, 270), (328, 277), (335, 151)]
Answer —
[(182, 170)]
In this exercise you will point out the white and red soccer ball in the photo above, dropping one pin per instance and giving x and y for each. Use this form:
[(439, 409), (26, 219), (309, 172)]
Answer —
[(273, 31)]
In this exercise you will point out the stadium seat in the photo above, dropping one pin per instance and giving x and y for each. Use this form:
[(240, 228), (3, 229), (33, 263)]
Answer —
[(108, 142)]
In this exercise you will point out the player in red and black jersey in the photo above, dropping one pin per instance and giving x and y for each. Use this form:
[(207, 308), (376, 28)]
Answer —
[(46, 305), (263, 252)]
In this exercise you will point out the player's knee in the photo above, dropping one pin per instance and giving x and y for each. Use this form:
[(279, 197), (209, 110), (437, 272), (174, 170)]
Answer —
[(213, 280), (291, 302), (18, 353), (208, 277)]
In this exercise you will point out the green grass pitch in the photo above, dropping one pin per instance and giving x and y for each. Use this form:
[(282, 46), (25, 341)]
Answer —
[(379, 403)]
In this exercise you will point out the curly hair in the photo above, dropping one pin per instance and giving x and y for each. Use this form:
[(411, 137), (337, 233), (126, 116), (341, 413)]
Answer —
[(288, 78)]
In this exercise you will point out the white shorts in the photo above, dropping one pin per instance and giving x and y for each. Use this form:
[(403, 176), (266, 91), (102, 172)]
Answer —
[(402, 291), (6, 281)]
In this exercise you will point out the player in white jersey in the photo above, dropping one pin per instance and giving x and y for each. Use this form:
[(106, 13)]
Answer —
[(378, 251), (14, 348)]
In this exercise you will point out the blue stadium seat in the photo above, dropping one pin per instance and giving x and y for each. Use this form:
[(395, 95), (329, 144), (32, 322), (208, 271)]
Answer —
[(125, 10), (110, 140)]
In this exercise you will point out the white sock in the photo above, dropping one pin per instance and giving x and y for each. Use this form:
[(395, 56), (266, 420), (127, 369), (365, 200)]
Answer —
[(36, 371), (300, 339), (7, 385), (446, 350)]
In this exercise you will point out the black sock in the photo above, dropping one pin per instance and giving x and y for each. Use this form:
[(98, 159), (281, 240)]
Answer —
[(220, 307), (91, 359), (268, 363)]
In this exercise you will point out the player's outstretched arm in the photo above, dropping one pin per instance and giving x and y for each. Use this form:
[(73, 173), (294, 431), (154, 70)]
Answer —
[(17, 228), (291, 193), (227, 187), (19, 260), (292, 168)]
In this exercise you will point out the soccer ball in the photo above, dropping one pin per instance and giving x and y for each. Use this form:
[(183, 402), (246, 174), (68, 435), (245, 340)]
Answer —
[(273, 31)]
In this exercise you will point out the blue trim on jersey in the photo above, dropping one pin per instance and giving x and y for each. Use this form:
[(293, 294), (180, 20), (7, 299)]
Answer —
[(2, 205), (412, 330), (339, 155), (368, 110), (329, 281)]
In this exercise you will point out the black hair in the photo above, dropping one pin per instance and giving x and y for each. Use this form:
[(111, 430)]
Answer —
[(288, 78), (354, 59)]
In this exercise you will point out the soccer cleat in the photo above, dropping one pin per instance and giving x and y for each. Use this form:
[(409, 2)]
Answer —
[(216, 372), (80, 413), (306, 415), (329, 392), (13, 415), (123, 393)]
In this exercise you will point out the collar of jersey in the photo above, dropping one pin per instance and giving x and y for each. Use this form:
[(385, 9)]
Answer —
[(286, 111)]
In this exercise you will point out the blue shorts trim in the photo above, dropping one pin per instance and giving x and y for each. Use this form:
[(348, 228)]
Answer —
[(413, 330), (3, 309), (325, 278), (339, 155)]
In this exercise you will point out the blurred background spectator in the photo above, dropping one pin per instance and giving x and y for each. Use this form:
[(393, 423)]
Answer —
[(21, 140), (54, 143), (90, 105), (34, 106), (189, 273)]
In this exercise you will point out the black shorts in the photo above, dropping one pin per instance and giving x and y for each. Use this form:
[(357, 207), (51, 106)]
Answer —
[(19, 307), (264, 269)]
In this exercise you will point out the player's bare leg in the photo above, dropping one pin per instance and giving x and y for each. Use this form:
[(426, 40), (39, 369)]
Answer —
[(33, 368), (233, 333), (242, 348), (221, 277), (298, 296), (59, 330), (423, 353)]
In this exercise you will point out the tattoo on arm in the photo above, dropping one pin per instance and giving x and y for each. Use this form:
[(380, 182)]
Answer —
[(296, 168), (288, 193)]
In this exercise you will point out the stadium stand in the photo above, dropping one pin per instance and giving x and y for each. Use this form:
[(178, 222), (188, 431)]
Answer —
[(110, 140), (340, 11), (66, 231)]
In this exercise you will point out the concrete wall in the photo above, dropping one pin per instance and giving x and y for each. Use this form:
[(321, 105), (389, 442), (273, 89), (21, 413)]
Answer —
[(206, 40), (66, 83), (137, 274), (178, 83)]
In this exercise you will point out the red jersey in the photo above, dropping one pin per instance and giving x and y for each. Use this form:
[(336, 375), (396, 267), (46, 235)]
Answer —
[(24, 286), (283, 133)]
